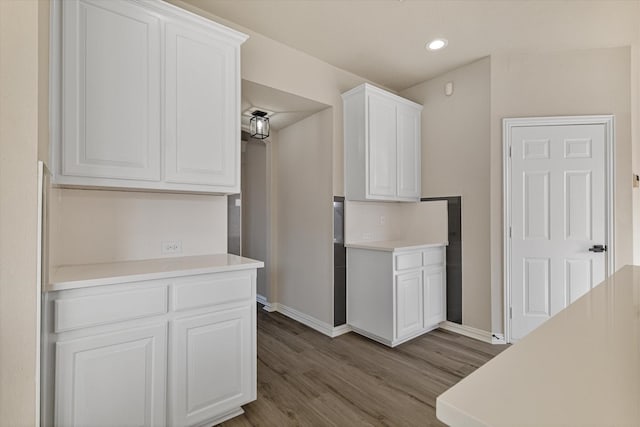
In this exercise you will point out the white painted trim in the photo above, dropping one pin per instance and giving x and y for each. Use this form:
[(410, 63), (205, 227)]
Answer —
[(467, 331), (231, 414), (341, 330), (498, 338), (267, 306), (261, 299), (507, 125), (38, 289), (305, 319)]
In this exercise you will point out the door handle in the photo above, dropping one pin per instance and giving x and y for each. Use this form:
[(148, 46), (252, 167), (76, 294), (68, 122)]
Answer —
[(598, 248)]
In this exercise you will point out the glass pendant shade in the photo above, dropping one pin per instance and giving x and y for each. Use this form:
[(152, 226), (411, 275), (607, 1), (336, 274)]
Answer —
[(259, 125)]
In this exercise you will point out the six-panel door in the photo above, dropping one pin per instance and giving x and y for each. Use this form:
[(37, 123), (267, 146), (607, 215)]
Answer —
[(557, 213), (202, 117), (114, 379), (211, 358), (111, 91)]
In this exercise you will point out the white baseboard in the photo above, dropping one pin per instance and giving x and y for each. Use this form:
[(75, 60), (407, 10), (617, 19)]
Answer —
[(270, 307), (305, 319), (341, 330), (467, 331), (498, 338), (261, 299)]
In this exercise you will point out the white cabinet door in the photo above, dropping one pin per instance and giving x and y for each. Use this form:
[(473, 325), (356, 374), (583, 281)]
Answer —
[(212, 365), (409, 308), (201, 109), (408, 145), (114, 379), (111, 91), (382, 146), (434, 296)]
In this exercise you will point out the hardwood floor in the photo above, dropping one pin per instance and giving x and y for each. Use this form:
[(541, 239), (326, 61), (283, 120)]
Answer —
[(308, 379)]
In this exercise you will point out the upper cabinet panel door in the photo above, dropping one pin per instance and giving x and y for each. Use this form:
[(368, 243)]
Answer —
[(111, 91), (382, 146), (408, 145), (201, 107)]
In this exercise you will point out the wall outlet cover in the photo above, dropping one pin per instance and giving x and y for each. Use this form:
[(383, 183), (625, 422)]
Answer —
[(171, 246)]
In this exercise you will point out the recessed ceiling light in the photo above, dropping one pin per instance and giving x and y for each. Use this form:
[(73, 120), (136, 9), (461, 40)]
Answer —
[(436, 44)]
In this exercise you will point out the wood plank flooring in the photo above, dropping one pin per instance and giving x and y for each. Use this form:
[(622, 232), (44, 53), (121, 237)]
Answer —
[(308, 379)]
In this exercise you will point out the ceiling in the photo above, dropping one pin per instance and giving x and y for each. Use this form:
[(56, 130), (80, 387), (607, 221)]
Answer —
[(287, 108), (383, 40)]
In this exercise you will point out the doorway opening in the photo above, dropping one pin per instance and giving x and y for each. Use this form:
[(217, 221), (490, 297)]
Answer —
[(278, 195)]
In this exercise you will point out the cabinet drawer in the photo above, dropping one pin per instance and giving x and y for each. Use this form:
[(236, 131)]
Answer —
[(212, 289), (408, 260), (92, 310), (433, 257)]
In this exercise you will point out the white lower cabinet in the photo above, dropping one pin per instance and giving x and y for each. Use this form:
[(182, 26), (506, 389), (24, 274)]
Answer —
[(435, 310), (394, 295), (409, 306), (113, 379), (176, 353), (207, 378)]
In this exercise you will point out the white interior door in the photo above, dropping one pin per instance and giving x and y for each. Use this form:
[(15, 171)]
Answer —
[(559, 211)]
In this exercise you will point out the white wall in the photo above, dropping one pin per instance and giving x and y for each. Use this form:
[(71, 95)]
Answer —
[(596, 81), (424, 221), (255, 209), (23, 117), (91, 226), (304, 211), (455, 162)]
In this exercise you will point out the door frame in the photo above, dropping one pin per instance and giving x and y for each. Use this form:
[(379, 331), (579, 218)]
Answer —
[(507, 126)]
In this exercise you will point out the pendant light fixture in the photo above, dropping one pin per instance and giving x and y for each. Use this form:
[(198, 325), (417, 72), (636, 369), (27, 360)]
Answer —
[(259, 125)]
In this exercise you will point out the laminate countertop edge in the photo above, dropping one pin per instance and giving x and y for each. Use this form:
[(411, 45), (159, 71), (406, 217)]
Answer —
[(88, 275), (393, 245)]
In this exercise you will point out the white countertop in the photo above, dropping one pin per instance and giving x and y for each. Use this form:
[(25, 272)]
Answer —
[(580, 368), (79, 276), (393, 245)]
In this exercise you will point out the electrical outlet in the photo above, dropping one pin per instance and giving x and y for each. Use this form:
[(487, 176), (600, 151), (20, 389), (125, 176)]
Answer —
[(383, 220), (367, 236), (171, 247)]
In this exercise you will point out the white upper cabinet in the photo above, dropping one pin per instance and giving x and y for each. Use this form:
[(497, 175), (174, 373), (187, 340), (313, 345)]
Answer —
[(146, 95), (381, 145), (201, 109), (111, 101)]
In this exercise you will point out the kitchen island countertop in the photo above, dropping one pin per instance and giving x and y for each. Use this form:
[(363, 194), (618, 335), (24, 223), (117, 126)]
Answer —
[(580, 368)]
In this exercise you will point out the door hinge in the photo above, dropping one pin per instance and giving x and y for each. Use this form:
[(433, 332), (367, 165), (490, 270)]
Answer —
[(509, 151), (510, 313), (509, 231)]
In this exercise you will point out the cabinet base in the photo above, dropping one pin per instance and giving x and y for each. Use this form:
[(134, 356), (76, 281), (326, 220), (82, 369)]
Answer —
[(222, 418), (395, 342)]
